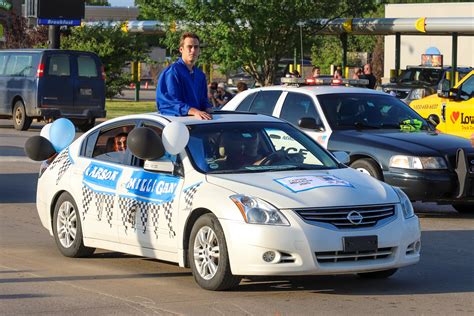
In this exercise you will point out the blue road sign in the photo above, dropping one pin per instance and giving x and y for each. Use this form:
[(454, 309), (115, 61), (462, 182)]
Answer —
[(59, 22)]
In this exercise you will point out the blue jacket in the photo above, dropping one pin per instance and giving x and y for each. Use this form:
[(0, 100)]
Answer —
[(179, 90)]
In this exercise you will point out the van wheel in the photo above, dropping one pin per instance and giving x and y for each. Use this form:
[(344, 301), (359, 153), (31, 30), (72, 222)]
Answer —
[(208, 255), (67, 229), (21, 121), (368, 166), (86, 125), (464, 208)]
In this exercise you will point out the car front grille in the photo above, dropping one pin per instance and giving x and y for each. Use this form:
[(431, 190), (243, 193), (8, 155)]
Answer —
[(348, 217), (342, 256)]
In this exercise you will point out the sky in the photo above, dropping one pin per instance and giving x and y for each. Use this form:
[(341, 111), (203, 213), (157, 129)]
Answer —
[(121, 3)]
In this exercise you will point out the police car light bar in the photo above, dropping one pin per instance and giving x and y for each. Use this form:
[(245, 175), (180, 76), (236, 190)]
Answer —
[(323, 81)]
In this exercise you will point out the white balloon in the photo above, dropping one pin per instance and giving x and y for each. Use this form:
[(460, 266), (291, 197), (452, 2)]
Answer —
[(45, 131), (175, 137)]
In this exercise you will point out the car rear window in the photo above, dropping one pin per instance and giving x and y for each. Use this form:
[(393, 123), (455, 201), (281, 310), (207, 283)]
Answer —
[(87, 67), (59, 65)]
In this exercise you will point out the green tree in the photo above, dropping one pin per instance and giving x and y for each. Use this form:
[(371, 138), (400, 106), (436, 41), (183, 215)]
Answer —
[(114, 47), (97, 2), (250, 33)]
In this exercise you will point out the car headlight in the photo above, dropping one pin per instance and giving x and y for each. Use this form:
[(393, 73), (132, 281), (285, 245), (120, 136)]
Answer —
[(407, 207), (411, 162), (257, 211), (417, 94)]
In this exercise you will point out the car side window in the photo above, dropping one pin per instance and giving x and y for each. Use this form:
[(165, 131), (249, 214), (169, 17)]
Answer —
[(244, 106), (111, 144), (467, 89), (3, 62), (59, 65), (87, 67), (296, 106), (19, 65), (265, 102)]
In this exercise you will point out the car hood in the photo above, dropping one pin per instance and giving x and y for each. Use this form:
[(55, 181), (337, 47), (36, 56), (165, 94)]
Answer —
[(363, 189), (413, 143)]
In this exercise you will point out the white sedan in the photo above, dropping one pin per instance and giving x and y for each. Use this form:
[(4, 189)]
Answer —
[(239, 195)]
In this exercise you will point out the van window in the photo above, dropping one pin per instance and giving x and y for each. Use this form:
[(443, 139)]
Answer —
[(59, 65), (20, 65), (87, 67), (3, 61)]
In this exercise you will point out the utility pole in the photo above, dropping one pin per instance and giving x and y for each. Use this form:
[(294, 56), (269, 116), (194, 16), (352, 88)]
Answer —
[(54, 38)]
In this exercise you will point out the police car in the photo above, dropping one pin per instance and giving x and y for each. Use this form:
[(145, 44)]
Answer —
[(383, 136), (226, 198)]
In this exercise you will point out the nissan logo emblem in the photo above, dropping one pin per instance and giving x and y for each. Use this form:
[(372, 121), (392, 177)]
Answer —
[(355, 217), (472, 162)]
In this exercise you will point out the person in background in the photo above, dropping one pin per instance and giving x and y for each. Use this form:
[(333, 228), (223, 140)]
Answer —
[(369, 76), (212, 89), (241, 86), (182, 87), (357, 73), (337, 74), (222, 96), (316, 72)]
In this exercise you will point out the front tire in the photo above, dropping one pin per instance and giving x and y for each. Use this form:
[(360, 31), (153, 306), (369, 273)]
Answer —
[(368, 166), (84, 126), (67, 229), (21, 121), (208, 255), (384, 274)]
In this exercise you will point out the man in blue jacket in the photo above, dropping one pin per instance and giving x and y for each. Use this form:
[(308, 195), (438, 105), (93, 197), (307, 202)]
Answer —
[(182, 87)]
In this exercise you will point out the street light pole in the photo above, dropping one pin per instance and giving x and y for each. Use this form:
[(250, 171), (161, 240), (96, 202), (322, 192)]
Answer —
[(301, 40)]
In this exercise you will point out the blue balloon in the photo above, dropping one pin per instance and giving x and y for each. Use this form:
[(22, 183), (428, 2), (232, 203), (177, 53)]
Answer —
[(61, 133), (432, 51)]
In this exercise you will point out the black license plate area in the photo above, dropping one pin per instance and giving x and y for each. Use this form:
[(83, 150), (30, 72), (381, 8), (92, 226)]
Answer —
[(360, 243)]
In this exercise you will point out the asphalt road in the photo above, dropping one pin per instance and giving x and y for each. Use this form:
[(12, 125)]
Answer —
[(36, 279)]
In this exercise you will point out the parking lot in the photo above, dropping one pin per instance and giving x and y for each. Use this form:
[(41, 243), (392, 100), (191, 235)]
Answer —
[(36, 278)]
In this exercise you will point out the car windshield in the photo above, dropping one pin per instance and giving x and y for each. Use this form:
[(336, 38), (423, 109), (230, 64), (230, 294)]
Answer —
[(426, 75), (369, 111), (254, 147)]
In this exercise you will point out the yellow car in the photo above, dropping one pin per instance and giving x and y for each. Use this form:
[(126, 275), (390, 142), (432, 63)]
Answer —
[(454, 108)]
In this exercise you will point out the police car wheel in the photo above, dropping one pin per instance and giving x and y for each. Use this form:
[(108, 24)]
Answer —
[(67, 229), (377, 274), (367, 166), (208, 255), (21, 121), (464, 208)]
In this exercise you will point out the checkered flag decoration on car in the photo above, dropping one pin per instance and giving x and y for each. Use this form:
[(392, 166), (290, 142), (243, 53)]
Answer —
[(168, 210), (104, 202), (129, 208), (189, 195), (87, 195), (59, 159), (64, 161)]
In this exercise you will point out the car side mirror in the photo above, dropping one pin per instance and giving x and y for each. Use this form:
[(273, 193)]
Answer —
[(310, 123), (342, 157), (145, 143), (443, 88), (434, 119)]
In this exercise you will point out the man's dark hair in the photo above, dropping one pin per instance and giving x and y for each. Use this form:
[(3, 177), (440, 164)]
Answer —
[(186, 35), (316, 67), (241, 86)]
